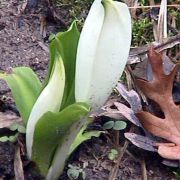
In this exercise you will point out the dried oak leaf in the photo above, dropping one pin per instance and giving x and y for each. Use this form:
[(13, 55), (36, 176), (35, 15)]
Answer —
[(160, 91)]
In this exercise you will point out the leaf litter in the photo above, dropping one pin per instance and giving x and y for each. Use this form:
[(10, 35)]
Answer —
[(160, 91), (126, 168)]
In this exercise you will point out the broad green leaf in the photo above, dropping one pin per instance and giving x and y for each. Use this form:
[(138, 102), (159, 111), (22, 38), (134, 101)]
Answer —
[(102, 52), (108, 125), (58, 162), (119, 125), (65, 45), (25, 87), (83, 136), (52, 133), (49, 100)]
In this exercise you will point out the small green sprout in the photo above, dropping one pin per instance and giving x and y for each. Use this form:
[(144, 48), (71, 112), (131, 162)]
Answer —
[(18, 127), (115, 125), (75, 172), (113, 154), (11, 138)]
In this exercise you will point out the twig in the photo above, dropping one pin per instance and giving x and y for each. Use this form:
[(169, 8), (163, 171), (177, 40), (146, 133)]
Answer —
[(55, 15), (18, 167), (154, 6), (129, 77), (22, 8), (114, 171), (166, 44), (169, 43), (132, 156), (143, 168), (162, 22), (43, 46), (117, 138), (43, 25)]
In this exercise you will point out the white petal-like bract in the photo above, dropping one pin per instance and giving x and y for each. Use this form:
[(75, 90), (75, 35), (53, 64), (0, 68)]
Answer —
[(49, 100), (102, 51)]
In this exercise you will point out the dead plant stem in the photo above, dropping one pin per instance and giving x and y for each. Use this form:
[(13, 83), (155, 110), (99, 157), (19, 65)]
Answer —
[(117, 138), (143, 168), (154, 6), (114, 171)]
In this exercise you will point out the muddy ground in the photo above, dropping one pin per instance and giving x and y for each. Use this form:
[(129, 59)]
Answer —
[(23, 44)]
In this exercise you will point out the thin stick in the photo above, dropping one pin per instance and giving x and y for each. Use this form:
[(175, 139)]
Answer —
[(154, 6), (132, 156), (117, 138), (115, 169), (168, 43), (143, 168), (18, 166)]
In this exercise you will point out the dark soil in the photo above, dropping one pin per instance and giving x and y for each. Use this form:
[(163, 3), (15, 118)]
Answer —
[(22, 44)]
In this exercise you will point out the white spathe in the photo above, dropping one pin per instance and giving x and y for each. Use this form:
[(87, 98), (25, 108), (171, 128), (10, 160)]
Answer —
[(49, 100), (102, 51)]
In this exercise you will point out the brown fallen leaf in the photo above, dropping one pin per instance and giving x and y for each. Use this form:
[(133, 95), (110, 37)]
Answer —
[(128, 113), (141, 141), (112, 113), (117, 110), (171, 163), (6, 120), (130, 96), (160, 91)]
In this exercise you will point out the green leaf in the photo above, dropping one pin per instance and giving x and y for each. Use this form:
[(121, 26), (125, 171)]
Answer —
[(65, 45), (73, 173), (83, 136), (4, 139), (53, 133), (108, 125), (113, 154), (119, 125), (25, 87), (114, 151), (18, 127), (49, 100), (14, 127), (21, 129), (12, 138)]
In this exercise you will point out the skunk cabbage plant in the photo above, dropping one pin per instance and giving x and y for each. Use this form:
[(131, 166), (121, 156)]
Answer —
[(52, 117), (102, 52), (83, 68)]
